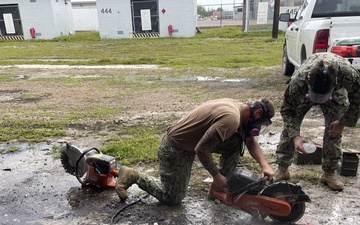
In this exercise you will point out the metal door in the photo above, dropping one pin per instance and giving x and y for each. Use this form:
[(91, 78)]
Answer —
[(10, 21), (145, 16)]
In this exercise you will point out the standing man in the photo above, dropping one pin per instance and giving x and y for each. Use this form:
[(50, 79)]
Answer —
[(218, 126), (330, 81)]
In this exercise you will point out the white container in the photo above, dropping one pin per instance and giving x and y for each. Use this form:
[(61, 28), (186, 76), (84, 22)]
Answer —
[(309, 148)]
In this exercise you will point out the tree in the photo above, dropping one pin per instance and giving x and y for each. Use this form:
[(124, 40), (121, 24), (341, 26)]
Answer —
[(201, 11)]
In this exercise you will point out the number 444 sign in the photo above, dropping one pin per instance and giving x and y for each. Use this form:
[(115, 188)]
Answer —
[(106, 11)]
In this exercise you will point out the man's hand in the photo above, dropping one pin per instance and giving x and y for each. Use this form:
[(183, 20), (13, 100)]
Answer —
[(267, 171), (256, 152), (298, 143), (220, 181), (336, 129)]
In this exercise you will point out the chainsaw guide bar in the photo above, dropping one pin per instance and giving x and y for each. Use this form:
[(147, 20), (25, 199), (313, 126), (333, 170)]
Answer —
[(69, 156)]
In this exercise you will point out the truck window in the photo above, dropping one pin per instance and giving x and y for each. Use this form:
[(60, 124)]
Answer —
[(336, 8), (323, 7)]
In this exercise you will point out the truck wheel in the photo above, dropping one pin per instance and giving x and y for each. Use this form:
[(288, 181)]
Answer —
[(287, 67)]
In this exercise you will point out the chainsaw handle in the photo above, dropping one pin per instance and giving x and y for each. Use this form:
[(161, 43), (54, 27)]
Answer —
[(260, 181), (77, 164), (114, 172), (265, 179)]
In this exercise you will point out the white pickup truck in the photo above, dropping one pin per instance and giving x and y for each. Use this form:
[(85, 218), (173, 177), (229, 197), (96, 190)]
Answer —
[(320, 26)]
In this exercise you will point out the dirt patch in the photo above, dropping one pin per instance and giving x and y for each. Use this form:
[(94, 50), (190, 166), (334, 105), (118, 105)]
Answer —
[(34, 189)]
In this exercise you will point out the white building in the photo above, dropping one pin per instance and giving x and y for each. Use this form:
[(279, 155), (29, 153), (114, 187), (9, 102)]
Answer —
[(85, 15), (35, 19), (146, 18), (238, 12)]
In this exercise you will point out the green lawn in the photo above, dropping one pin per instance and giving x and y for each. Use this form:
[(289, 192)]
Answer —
[(226, 47)]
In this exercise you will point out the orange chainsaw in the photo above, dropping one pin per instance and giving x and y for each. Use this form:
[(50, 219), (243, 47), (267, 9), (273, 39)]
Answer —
[(90, 166), (281, 201)]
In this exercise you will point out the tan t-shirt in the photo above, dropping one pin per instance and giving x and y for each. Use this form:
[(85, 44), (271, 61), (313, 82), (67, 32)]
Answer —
[(224, 114)]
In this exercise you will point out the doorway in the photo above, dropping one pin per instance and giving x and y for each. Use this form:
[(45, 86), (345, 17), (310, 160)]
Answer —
[(145, 18), (10, 21)]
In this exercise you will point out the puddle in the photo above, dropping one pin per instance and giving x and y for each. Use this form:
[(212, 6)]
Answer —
[(205, 79), (141, 78), (33, 76), (22, 146), (269, 141), (29, 183), (34, 66), (221, 79)]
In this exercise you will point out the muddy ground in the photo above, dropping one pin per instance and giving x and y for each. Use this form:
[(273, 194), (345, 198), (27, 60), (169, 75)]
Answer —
[(34, 188)]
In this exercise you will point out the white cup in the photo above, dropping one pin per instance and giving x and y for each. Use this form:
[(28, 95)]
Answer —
[(309, 148)]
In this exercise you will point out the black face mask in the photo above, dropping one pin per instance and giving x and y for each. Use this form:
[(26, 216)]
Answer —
[(254, 127)]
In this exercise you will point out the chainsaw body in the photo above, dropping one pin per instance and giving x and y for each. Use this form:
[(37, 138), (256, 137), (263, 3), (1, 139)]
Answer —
[(101, 170), (90, 166), (282, 201)]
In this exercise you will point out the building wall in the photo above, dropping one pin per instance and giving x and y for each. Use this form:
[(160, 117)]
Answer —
[(63, 17), (181, 15), (85, 16), (114, 18), (238, 12), (30, 18), (49, 18)]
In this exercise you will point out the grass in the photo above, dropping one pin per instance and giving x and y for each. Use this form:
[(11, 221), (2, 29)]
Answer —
[(94, 113), (226, 47), (31, 130), (137, 144), (311, 175)]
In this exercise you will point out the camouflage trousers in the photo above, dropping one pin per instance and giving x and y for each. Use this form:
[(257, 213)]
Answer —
[(175, 169), (331, 153)]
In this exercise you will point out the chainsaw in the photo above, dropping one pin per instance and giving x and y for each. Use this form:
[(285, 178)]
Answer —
[(281, 201), (91, 167)]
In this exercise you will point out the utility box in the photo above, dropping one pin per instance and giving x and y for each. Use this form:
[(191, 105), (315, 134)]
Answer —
[(146, 19), (312, 158), (35, 19), (349, 163)]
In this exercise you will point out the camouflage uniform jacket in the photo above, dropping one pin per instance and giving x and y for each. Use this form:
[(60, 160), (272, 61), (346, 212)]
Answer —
[(346, 92)]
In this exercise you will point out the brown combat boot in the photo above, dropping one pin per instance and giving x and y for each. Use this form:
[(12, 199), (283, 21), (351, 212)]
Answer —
[(282, 173), (330, 178), (126, 178)]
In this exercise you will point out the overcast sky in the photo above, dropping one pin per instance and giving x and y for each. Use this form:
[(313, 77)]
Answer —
[(214, 4), (210, 2)]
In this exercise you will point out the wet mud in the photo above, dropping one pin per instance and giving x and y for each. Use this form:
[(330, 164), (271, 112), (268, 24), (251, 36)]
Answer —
[(36, 190)]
